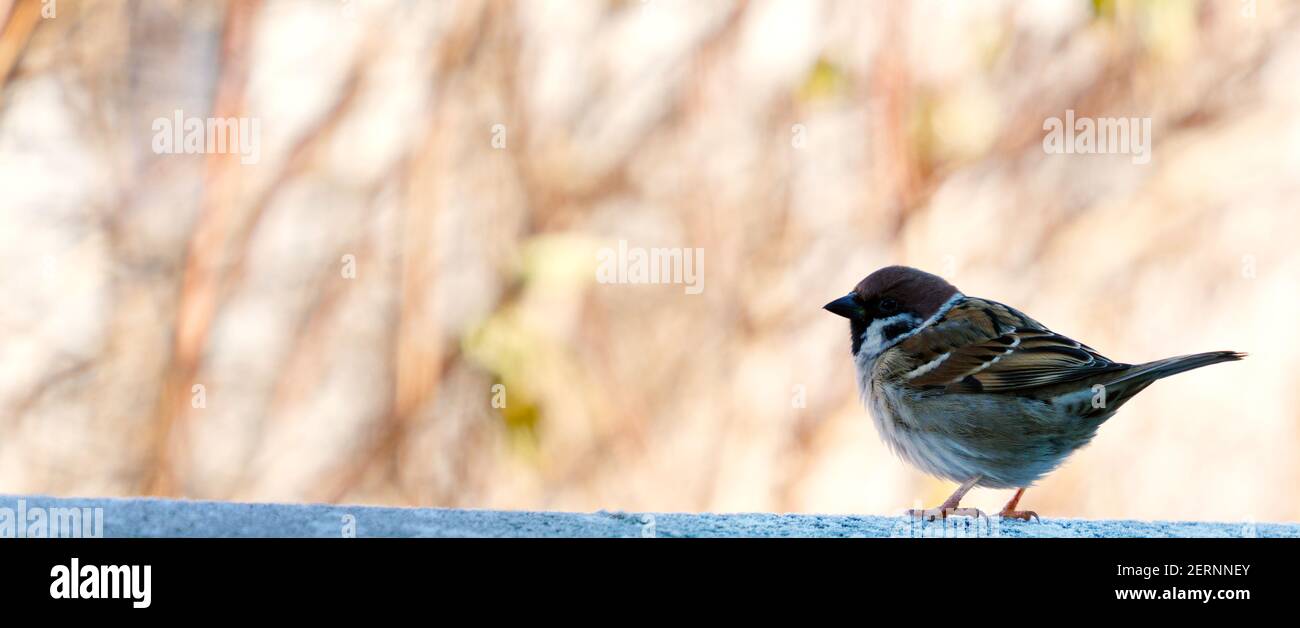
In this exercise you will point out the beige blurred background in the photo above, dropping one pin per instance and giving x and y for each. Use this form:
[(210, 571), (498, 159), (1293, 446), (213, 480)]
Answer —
[(348, 302)]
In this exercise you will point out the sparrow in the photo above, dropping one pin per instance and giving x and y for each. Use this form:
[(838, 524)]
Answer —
[(976, 392)]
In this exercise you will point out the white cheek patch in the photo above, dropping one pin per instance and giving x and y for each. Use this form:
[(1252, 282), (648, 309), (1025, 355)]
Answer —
[(873, 339)]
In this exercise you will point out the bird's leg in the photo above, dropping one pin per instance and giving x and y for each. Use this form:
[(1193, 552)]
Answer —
[(1009, 511), (949, 506)]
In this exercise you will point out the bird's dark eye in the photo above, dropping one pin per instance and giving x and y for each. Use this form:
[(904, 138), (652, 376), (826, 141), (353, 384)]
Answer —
[(888, 305)]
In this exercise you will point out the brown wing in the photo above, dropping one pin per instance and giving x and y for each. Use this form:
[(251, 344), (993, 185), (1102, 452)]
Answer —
[(985, 346)]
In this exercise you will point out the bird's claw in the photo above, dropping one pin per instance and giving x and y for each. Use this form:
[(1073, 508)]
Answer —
[(1023, 515)]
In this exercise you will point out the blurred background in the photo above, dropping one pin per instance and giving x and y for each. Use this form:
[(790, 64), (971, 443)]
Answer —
[(396, 302)]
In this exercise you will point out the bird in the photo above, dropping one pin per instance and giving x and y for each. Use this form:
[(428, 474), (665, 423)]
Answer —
[(976, 392)]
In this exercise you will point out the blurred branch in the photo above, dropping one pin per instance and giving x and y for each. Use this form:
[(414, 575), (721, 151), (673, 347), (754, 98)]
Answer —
[(24, 15), (418, 356), (201, 286)]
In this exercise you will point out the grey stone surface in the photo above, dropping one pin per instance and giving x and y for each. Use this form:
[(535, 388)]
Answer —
[(182, 518)]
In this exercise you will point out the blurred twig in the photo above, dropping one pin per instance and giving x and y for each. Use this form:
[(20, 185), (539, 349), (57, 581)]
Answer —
[(200, 290), (418, 356), (24, 15)]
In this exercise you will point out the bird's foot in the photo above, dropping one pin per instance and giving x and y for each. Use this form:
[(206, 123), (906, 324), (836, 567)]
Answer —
[(930, 514), (1023, 515)]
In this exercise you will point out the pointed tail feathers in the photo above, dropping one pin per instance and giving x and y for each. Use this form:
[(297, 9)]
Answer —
[(1151, 371), (1134, 380)]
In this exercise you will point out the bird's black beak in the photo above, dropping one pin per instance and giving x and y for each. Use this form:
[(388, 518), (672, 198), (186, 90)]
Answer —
[(845, 306)]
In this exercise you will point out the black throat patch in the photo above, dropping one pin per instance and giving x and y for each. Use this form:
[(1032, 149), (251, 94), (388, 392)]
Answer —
[(857, 327)]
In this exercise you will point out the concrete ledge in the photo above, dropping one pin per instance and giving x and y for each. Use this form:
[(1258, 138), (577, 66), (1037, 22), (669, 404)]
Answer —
[(181, 518)]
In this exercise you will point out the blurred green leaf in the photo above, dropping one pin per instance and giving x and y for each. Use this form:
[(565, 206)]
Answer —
[(824, 81), (1103, 9), (508, 350)]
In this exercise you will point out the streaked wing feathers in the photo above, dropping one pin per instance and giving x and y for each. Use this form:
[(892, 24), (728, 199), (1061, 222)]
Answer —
[(985, 346)]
